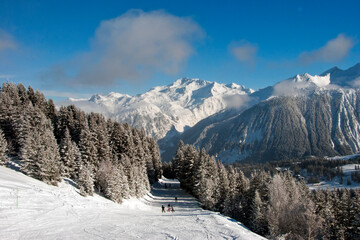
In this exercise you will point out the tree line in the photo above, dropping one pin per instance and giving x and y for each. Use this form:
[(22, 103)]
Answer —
[(100, 155), (276, 206)]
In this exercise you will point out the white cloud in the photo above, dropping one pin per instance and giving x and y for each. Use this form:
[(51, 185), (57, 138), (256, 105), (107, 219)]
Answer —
[(7, 42), (6, 77), (54, 93), (334, 50), (237, 101), (288, 88), (132, 47), (244, 52), (356, 83)]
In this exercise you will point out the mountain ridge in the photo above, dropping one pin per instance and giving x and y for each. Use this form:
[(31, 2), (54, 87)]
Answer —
[(177, 106), (196, 110)]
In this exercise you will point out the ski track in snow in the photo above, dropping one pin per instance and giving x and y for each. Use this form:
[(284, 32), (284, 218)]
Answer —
[(30, 209)]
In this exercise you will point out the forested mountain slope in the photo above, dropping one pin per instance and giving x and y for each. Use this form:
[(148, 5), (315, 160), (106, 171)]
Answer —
[(301, 116), (100, 155)]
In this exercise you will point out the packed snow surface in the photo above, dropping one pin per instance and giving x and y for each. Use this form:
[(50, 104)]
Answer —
[(30, 209)]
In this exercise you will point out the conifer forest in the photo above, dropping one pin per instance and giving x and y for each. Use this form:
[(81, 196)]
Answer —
[(100, 155), (118, 161)]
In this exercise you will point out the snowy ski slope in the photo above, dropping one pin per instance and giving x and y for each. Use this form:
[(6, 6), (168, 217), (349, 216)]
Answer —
[(30, 209)]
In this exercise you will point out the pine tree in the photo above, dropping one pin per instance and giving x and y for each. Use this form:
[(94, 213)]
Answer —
[(48, 159), (87, 148), (67, 155), (354, 228), (39, 151), (186, 165), (86, 179), (179, 156), (129, 173), (156, 159), (223, 187), (241, 187), (290, 211), (230, 204), (258, 222), (3, 149)]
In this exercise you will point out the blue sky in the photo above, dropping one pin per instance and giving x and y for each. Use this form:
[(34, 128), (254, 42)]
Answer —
[(77, 48)]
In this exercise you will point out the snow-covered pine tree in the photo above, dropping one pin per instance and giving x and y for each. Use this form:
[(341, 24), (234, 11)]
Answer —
[(67, 154), (179, 156), (258, 222), (205, 180), (115, 132), (9, 115), (3, 149), (22, 93), (198, 178), (290, 211), (116, 185), (103, 148), (74, 172), (241, 188), (87, 148), (48, 158), (328, 216), (39, 152), (28, 141), (126, 144), (230, 203), (86, 179), (129, 173), (139, 162), (148, 157), (212, 173), (186, 165), (354, 228), (223, 187), (156, 158)]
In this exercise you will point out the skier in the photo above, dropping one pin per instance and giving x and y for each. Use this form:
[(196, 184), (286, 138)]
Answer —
[(169, 207), (172, 209), (175, 199), (163, 208), (165, 186)]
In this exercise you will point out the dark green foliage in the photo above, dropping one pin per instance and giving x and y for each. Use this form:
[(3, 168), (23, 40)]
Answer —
[(355, 176), (168, 170)]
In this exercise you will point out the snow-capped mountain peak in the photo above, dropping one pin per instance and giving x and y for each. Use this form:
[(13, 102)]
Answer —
[(344, 78), (176, 106), (301, 84), (320, 81)]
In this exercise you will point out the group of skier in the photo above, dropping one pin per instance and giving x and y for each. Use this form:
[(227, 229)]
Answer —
[(170, 208)]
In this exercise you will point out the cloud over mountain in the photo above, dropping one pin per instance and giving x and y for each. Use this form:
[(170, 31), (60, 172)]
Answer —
[(7, 41), (334, 50), (244, 52), (132, 47)]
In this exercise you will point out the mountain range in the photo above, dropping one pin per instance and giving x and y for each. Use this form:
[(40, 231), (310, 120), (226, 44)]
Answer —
[(301, 116)]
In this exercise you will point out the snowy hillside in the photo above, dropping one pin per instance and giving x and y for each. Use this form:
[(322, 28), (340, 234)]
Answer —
[(162, 109), (30, 209)]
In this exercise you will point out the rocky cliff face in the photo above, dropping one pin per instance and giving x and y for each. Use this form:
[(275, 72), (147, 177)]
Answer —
[(327, 123), (301, 116)]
